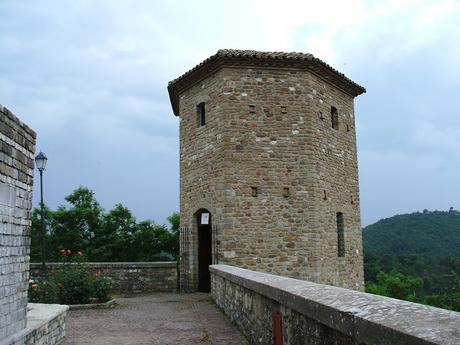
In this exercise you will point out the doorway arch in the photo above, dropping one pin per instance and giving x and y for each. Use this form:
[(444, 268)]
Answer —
[(203, 221)]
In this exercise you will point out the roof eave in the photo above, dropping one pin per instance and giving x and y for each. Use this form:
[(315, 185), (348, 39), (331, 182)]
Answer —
[(218, 61), (174, 99)]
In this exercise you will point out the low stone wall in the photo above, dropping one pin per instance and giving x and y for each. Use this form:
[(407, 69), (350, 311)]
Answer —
[(321, 314), (45, 324), (130, 277)]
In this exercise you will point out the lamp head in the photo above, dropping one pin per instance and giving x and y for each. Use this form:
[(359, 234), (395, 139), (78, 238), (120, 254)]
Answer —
[(40, 161)]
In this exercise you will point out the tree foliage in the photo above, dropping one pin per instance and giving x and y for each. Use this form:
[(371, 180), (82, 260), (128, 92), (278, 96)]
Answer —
[(115, 235), (415, 257)]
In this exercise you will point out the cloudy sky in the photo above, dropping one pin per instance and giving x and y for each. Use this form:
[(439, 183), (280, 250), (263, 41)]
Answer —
[(90, 77)]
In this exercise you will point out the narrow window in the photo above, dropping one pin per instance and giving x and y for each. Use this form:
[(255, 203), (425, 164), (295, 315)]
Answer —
[(334, 118), (283, 109), (201, 114), (340, 235), (324, 195), (286, 192), (254, 191), (252, 108)]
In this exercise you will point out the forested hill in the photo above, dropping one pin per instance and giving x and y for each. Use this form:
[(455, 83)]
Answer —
[(427, 234)]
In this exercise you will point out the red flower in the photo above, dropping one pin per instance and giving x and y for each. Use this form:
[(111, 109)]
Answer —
[(69, 251), (79, 253), (62, 251), (34, 286)]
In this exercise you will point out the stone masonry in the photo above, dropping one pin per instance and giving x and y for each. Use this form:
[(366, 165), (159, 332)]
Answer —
[(275, 165), (17, 147), (129, 277), (315, 314), (45, 324)]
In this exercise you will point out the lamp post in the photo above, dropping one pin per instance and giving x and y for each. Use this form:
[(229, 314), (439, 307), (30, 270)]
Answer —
[(40, 163)]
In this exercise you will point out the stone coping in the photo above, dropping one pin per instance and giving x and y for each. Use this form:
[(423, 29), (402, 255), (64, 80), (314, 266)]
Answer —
[(104, 305), (39, 314), (153, 264), (366, 317)]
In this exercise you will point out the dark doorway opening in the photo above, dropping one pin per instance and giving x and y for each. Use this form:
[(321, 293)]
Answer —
[(204, 250)]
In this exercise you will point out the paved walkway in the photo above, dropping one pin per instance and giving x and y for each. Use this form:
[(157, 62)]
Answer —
[(159, 319)]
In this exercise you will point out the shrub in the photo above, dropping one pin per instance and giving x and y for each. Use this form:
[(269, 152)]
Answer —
[(71, 283), (74, 284), (42, 291), (101, 288)]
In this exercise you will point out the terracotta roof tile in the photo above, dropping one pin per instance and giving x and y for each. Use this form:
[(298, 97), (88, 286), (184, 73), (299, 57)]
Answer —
[(253, 57)]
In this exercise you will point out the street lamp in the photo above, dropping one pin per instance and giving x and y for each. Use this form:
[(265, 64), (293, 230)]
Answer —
[(40, 163)]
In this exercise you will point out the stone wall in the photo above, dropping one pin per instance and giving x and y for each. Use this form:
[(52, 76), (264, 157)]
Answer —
[(45, 324), (130, 277), (321, 314), (202, 164), (268, 126), (17, 147)]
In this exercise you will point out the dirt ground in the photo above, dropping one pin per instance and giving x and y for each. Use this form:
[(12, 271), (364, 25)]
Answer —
[(158, 319)]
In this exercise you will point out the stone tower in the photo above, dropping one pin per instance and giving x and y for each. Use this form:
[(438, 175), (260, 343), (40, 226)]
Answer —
[(268, 168)]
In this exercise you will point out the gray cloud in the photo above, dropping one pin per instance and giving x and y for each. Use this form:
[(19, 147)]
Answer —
[(90, 77)]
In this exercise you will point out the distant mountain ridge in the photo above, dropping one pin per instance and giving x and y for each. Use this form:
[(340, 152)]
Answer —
[(427, 233)]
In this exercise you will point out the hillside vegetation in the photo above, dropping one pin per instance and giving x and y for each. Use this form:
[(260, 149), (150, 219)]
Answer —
[(425, 233), (415, 257)]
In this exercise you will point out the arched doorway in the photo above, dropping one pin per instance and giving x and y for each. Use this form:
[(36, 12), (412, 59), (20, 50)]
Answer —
[(204, 250)]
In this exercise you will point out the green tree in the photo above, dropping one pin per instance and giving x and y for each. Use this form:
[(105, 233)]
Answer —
[(36, 235), (397, 285), (113, 239), (456, 295), (75, 226), (83, 225), (172, 244)]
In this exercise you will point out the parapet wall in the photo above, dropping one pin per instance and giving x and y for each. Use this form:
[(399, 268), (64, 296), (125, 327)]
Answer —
[(321, 314), (17, 148), (130, 277), (45, 324)]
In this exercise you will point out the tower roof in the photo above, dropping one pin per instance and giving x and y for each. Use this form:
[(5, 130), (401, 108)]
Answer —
[(252, 58)]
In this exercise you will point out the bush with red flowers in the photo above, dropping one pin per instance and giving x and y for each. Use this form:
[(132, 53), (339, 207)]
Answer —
[(42, 291), (71, 283)]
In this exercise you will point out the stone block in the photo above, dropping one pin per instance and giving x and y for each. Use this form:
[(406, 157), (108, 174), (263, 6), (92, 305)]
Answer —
[(320, 314)]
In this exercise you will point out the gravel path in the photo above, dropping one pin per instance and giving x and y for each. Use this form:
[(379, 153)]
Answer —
[(159, 319)]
